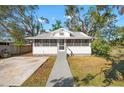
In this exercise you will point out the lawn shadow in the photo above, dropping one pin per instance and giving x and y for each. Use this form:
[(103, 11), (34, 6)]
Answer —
[(63, 82), (116, 72), (86, 80)]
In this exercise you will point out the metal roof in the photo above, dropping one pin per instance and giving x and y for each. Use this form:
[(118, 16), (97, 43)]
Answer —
[(50, 35)]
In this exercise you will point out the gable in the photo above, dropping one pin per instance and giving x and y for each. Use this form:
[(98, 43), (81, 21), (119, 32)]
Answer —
[(62, 34)]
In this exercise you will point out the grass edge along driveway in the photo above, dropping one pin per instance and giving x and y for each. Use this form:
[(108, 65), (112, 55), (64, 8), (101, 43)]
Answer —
[(40, 76)]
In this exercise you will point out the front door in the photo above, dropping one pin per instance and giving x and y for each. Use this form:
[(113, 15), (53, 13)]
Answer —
[(61, 45)]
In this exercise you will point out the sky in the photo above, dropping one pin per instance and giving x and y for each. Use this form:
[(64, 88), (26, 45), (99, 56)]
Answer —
[(57, 12)]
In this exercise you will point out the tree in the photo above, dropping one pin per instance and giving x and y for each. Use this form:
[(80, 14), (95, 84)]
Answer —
[(73, 22), (19, 22), (110, 30), (22, 18), (57, 25), (120, 8), (121, 11), (100, 48), (41, 21), (98, 20), (120, 40)]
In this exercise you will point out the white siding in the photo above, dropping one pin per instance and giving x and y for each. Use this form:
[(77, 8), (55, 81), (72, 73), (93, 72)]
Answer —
[(44, 50), (86, 50), (81, 50)]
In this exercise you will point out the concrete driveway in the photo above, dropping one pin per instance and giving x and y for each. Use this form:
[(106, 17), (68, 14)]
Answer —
[(15, 70)]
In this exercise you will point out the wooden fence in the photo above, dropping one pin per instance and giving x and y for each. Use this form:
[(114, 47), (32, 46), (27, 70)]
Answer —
[(16, 50)]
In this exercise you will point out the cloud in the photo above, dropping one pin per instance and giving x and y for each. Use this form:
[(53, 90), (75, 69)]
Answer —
[(67, 17), (41, 21)]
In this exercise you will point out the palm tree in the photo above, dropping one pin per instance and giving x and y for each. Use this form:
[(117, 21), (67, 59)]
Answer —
[(57, 25)]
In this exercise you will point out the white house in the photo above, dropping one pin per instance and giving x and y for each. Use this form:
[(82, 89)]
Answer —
[(51, 43)]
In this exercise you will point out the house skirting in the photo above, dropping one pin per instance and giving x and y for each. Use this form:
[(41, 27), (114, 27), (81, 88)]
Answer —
[(50, 50)]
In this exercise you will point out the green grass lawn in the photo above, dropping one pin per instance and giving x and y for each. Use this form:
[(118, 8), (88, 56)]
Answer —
[(87, 71), (40, 76)]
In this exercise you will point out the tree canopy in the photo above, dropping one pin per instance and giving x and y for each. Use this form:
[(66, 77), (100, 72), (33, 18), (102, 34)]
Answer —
[(21, 21), (57, 25), (99, 21)]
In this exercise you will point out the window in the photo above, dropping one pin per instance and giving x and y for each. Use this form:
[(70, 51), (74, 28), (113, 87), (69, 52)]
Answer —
[(85, 42), (69, 42), (61, 33), (46, 42), (77, 42), (37, 42), (53, 42)]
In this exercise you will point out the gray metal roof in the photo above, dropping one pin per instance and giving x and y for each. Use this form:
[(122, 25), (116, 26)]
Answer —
[(50, 35)]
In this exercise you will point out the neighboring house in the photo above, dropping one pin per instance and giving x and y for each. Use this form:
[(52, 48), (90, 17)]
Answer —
[(61, 40)]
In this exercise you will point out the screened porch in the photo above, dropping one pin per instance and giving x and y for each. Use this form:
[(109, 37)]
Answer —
[(69, 42)]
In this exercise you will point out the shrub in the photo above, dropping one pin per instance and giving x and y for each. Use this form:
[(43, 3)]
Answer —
[(100, 48)]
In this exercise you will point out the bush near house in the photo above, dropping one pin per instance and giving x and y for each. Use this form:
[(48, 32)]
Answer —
[(100, 48)]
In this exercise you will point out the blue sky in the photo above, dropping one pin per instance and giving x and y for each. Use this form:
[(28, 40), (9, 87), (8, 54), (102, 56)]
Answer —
[(57, 12)]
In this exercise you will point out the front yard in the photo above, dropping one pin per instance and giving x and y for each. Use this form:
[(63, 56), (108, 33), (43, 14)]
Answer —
[(40, 76), (89, 71)]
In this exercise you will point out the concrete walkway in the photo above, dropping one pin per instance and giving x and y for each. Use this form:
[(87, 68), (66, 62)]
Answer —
[(15, 70), (60, 75)]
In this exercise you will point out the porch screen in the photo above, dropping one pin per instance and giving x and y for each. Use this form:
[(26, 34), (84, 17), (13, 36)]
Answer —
[(46, 42), (77, 42)]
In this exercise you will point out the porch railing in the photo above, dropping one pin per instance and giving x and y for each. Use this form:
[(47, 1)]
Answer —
[(71, 53)]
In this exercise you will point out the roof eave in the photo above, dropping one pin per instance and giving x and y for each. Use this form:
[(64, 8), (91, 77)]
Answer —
[(30, 38)]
